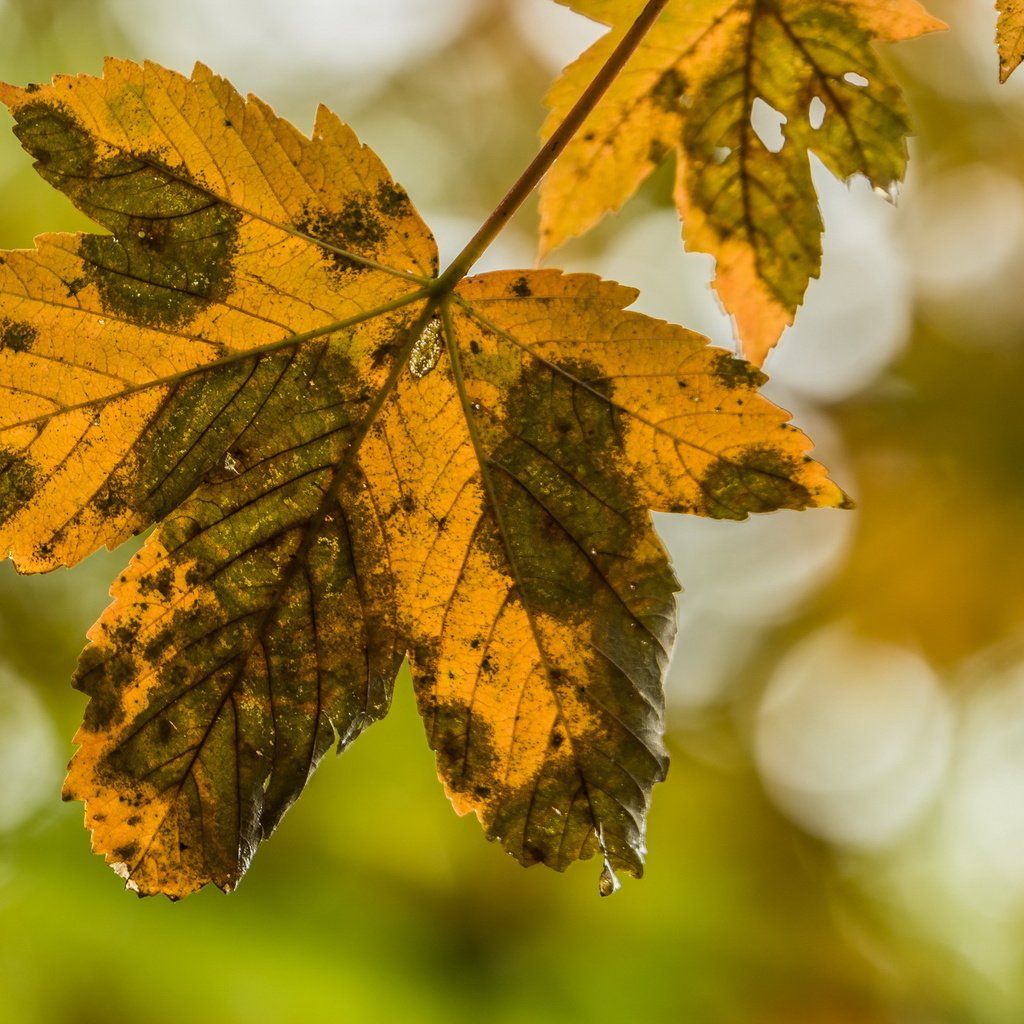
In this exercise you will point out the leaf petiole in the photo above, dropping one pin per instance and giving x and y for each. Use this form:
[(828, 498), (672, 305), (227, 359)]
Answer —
[(549, 152)]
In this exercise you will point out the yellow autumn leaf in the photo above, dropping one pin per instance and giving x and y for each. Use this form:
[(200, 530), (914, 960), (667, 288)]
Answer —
[(1009, 36), (346, 464), (691, 88)]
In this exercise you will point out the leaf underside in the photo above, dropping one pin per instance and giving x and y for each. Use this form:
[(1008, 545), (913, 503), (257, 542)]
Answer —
[(343, 472), (690, 89)]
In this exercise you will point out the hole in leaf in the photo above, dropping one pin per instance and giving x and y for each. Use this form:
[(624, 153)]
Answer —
[(816, 113), (854, 79), (720, 154), (767, 123)]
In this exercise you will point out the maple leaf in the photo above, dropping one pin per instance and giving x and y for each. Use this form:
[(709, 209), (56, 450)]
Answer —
[(1009, 36), (348, 464), (690, 88)]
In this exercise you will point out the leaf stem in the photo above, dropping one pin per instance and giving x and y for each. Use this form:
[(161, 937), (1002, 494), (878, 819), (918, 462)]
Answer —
[(549, 152)]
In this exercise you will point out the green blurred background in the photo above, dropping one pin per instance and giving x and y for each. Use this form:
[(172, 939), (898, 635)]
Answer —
[(841, 837)]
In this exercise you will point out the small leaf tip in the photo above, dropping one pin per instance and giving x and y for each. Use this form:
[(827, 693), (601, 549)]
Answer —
[(9, 93)]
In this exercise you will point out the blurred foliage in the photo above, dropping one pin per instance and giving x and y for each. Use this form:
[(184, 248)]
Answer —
[(373, 902)]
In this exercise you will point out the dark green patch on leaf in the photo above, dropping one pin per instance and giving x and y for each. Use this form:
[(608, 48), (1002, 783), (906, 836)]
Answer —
[(581, 549), (562, 503), (355, 228), (61, 146), (190, 436), (164, 272), (759, 479), (17, 336), (173, 242), (548, 821), (157, 646), (466, 757), (102, 675), (17, 482), (392, 200)]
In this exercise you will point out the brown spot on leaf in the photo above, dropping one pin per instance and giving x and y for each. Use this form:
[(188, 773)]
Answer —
[(110, 503), (669, 91), (159, 581), (126, 853)]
